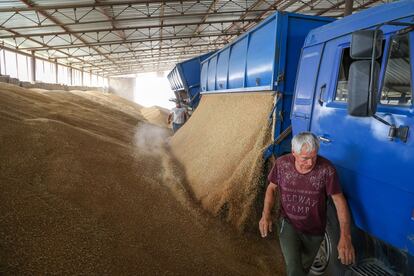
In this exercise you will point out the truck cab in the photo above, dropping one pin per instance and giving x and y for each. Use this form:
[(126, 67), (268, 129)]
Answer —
[(360, 106)]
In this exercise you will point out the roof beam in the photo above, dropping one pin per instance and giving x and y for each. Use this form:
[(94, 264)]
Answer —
[(147, 56), (88, 5), (252, 7), (41, 43), (203, 20), (135, 65), (143, 18), (287, 5), (206, 45), (141, 60), (121, 42), (122, 29), (273, 6), (60, 24), (308, 4), (337, 5), (121, 33), (161, 31)]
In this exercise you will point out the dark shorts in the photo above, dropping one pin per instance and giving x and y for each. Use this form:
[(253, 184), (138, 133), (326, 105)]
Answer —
[(176, 127), (299, 250)]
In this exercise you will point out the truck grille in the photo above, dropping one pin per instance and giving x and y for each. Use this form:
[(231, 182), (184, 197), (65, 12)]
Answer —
[(372, 268)]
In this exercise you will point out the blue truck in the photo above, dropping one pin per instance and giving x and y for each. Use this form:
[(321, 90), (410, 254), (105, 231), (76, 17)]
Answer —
[(184, 80), (263, 60), (350, 82)]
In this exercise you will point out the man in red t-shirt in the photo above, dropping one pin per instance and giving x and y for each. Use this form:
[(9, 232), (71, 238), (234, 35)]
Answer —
[(304, 180)]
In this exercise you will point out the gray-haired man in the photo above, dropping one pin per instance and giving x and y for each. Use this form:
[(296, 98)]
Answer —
[(304, 180)]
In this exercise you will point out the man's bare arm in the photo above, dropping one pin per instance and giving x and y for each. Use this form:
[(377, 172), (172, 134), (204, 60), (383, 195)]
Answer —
[(265, 223), (346, 252)]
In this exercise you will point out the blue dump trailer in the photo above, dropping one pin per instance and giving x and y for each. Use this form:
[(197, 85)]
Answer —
[(263, 60), (185, 81), (351, 83)]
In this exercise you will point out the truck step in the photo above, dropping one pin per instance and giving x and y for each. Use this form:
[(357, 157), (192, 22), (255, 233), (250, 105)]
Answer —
[(372, 267)]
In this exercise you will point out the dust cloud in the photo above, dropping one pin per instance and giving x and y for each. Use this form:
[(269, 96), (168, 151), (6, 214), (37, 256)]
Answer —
[(151, 139), (89, 186)]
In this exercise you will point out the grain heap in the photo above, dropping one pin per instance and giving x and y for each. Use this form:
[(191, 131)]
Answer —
[(156, 115), (111, 101), (221, 150), (89, 188)]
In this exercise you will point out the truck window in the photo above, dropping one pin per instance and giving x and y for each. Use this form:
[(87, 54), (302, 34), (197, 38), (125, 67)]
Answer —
[(397, 80), (342, 83)]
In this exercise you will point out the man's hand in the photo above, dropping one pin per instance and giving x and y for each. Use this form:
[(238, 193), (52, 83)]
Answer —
[(169, 119), (346, 252), (265, 223), (265, 226)]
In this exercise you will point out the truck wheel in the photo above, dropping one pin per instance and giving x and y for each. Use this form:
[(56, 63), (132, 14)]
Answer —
[(321, 262), (327, 262)]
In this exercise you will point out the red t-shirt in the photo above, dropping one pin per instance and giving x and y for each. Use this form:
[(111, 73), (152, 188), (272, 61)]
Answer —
[(303, 196)]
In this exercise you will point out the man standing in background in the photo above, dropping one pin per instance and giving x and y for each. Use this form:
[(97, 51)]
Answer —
[(178, 116)]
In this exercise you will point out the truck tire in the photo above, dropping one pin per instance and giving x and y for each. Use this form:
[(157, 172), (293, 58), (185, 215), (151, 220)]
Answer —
[(327, 263)]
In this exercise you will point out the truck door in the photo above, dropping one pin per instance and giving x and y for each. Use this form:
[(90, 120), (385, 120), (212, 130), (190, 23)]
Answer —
[(375, 172), (305, 86)]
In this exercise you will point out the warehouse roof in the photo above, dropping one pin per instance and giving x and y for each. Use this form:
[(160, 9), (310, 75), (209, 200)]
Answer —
[(108, 37)]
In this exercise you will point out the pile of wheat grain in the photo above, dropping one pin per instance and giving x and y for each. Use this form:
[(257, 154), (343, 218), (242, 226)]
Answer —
[(221, 149), (88, 187), (156, 115)]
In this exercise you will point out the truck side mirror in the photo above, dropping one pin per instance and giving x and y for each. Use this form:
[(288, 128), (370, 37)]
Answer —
[(360, 101), (362, 44)]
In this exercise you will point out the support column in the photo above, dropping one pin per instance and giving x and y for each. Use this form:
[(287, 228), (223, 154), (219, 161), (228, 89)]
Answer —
[(17, 65), (348, 7), (33, 67), (70, 75), (4, 59), (56, 72), (1, 49)]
